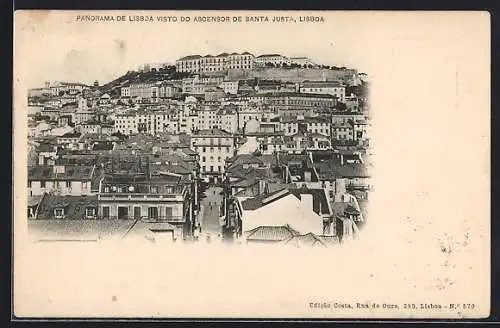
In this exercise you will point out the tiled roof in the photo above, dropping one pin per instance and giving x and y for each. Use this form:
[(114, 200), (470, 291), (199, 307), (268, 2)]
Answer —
[(238, 171), (319, 84), (45, 147), (71, 172), (262, 200), (269, 55), (211, 133), (74, 206), (172, 167), (244, 159), (34, 200), (320, 200), (330, 170), (307, 240), (271, 233), (190, 57)]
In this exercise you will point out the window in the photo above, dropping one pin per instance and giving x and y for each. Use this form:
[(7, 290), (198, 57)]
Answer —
[(90, 212), (203, 159), (153, 212), (68, 184), (219, 168), (59, 213), (42, 184), (29, 184), (211, 168), (204, 150)]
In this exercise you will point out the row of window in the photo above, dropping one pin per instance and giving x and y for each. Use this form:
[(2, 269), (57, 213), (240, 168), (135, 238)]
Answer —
[(203, 159), (58, 184), (301, 102), (211, 149), (323, 89), (123, 212), (90, 212), (152, 189), (215, 61), (204, 168)]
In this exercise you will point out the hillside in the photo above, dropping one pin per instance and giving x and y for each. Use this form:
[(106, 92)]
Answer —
[(152, 76)]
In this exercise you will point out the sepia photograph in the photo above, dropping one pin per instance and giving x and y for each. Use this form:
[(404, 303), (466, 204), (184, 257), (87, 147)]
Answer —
[(251, 164)]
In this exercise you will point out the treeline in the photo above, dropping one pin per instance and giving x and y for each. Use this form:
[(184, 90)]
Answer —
[(295, 65)]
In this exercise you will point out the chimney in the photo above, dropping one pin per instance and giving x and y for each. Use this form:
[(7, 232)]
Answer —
[(307, 202)]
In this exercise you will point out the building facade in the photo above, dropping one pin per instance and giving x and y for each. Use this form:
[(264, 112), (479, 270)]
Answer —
[(324, 88), (213, 147), (60, 179), (219, 63)]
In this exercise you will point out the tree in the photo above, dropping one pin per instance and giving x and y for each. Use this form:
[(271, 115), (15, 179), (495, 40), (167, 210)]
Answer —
[(61, 93)]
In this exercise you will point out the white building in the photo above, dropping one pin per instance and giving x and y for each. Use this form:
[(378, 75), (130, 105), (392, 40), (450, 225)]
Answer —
[(301, 61), (230, 87), (213, 147), (60, 179), (209, 63), (324, 88), (279, 209), (274, 59)]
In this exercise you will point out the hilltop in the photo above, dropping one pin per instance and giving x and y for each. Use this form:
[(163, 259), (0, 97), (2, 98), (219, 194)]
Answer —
[(167, 73)]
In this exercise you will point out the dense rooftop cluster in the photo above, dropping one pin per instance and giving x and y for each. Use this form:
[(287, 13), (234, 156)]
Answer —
[(210, 141)]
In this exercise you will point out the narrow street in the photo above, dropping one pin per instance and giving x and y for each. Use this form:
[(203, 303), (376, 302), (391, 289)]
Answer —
[(211, 204)]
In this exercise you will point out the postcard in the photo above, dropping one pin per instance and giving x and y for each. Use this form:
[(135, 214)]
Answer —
[(251, 164)]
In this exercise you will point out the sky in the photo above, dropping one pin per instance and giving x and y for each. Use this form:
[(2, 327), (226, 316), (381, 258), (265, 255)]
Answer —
[(58, 47)]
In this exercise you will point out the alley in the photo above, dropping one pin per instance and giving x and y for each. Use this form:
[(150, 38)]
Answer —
[(211, 204)]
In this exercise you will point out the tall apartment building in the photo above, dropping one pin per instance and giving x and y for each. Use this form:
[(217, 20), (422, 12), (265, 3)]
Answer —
[(213, 147), (154, 197), (208, 118), (219, 63), (146, 122)]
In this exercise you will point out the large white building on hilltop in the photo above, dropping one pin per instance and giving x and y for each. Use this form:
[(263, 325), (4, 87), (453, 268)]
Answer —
[(219, 63)]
